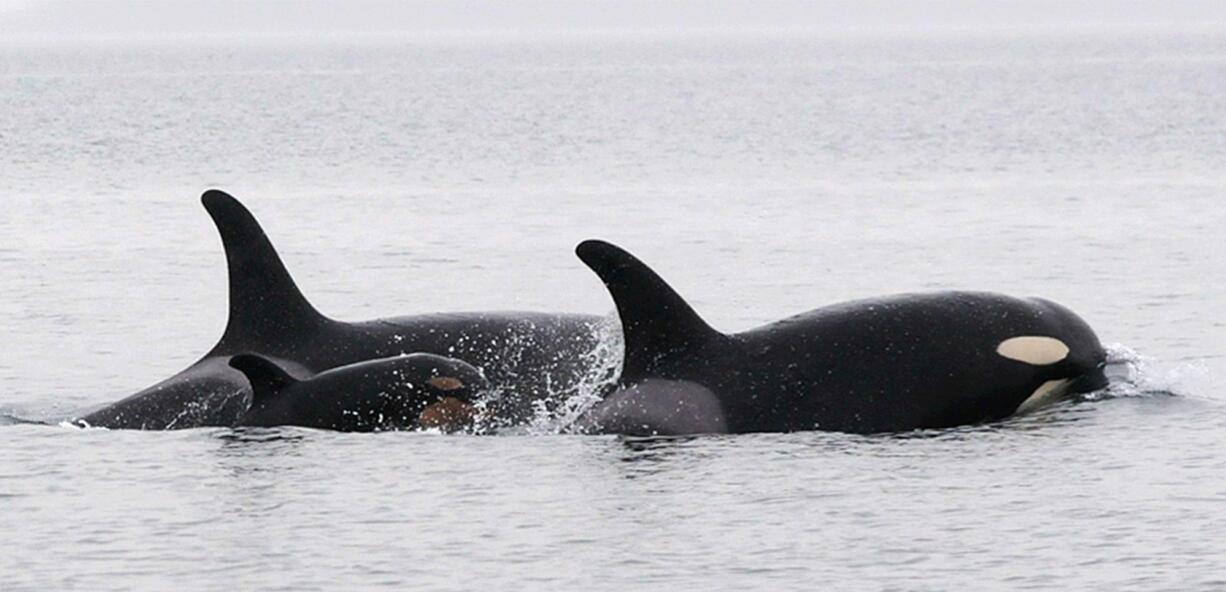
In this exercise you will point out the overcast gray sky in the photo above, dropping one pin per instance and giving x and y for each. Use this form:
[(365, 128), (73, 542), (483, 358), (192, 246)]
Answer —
[(156, 18)]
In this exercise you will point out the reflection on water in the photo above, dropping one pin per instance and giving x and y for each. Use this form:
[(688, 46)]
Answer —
[(237, 438)]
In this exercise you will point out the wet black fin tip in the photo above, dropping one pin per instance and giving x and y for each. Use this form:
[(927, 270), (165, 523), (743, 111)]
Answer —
[(657, 323), (266, 377)]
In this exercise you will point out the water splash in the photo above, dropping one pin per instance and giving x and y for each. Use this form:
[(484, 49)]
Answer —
[(573, 382), (604, 363), (1131, 374)]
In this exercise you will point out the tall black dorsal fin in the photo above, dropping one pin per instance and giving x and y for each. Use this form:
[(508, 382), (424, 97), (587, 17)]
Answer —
[(656, 322), (265, 303), (266, 377)]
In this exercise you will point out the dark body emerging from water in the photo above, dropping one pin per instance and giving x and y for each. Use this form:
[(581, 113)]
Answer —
[(888, 364), (525, 355), (404, 392)]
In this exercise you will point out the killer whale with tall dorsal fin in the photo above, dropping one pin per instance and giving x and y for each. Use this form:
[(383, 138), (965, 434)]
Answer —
[(525, 355), (888, 364)]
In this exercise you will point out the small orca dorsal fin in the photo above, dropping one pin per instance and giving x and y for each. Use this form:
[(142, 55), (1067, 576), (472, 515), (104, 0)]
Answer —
[(266, 377), (265, 303), (656, 322)]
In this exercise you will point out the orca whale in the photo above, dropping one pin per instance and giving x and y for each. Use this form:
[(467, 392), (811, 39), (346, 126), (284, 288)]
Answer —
[(888, 364), (404, 392), (525, 355)]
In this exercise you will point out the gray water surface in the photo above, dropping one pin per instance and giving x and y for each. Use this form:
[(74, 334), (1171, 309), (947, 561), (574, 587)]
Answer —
[(761, 175)]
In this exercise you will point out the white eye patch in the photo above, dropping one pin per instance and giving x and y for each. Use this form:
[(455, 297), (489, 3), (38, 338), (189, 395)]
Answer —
[(1033, 349)]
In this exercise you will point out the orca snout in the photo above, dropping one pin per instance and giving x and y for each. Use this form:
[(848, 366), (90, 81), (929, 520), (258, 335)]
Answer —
[(1086, 358), (457, 380), (1091, 380), (455, 386), (1085, 365)]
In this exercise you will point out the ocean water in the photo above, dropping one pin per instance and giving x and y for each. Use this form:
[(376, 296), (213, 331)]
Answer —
[(762, 174)]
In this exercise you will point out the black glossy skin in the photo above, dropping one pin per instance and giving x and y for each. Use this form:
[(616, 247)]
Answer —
[(881, 365), (375, 395), (523, 354)]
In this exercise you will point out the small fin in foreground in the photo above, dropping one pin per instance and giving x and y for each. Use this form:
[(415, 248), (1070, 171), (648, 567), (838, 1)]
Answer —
[(265, 303), (266, 377), (656, 322)]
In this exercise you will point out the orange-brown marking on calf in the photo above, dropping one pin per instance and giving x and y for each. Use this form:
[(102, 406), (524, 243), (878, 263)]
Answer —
[(449, 414), (446, 383)]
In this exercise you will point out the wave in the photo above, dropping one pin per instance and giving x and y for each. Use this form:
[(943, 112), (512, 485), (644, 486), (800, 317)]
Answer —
[(8, 418), (1130, 374)]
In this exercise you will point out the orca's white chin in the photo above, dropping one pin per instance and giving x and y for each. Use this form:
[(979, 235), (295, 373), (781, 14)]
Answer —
[(1049, 392)]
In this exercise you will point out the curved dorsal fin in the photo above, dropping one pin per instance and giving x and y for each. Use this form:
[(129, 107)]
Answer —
[(265, 303), (656, 322), (266, 377)]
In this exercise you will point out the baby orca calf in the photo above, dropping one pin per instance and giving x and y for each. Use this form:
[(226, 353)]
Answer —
[(398, 393), (528, 355), (888, 364)]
